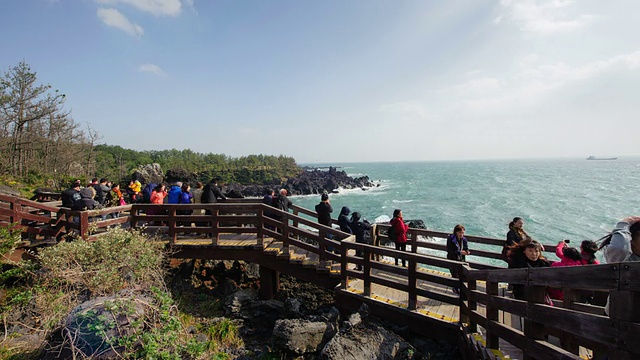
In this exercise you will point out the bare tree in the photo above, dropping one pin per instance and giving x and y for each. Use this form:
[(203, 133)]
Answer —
[(24, 106)]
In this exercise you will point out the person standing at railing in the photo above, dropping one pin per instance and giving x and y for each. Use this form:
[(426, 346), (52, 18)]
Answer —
[(197, 199), (185, 198), (71, 195), (324, 210), (618, 245), (175, 191), (457, 249), (569, 256), (362, 230), (623, 245), (526, 254), (343, 220), (515, 235), (157, 197), (399, 229)]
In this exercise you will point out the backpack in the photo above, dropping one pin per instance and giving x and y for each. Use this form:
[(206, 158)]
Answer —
[(366, 232), (146, 192), (99, 198), (392, 233)]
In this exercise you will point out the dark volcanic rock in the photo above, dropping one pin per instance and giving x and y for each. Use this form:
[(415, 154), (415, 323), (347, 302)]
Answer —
[(317, 182)]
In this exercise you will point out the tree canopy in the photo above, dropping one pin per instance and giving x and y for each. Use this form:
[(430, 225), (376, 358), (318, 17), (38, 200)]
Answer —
[(40, 140)]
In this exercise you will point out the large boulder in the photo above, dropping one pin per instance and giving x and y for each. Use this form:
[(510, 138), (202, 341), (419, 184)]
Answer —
[(150, 173), (299, 337), (94, 325), (367, 341)]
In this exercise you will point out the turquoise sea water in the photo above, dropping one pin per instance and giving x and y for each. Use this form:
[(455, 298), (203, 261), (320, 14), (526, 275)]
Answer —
[(570, 198)]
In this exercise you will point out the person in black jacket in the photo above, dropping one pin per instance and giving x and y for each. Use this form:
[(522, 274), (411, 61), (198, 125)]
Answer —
[(362, 230), (211, 193), (515, 235), (526, 254), (343, 220), (71, 195), (324, 210)]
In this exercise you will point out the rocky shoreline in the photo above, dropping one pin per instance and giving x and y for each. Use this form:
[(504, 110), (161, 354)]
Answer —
[(301, 322), (310, 181)]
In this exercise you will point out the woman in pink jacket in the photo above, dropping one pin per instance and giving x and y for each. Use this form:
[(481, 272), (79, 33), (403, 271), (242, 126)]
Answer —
[(399, 228), (568, 256)]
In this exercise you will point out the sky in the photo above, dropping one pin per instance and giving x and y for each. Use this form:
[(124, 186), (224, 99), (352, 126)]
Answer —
[(341, 81)]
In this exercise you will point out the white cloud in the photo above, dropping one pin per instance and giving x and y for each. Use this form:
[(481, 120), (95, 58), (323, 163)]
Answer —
[(155, 7), (116, 19), (543, 17), (151, 68), (533, 82)]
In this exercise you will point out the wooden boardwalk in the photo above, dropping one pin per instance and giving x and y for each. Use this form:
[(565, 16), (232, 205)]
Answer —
[(418, 296)]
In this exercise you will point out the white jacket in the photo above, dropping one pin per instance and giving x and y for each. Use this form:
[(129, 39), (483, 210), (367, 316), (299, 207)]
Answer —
[(620, 247)]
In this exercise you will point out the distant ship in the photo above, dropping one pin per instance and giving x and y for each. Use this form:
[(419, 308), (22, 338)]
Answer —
[(601, 158)]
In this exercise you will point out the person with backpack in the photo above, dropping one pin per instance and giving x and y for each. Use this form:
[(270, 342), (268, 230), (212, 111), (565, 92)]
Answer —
[(398, 232), (146, 193), (457, 249), (133, 190), (362, 230)]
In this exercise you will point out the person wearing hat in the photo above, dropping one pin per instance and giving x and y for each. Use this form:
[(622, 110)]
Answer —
[(86, 201), (324, 210)]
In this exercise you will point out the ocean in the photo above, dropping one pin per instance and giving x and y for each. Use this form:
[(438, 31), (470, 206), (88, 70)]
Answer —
[(558, 199)]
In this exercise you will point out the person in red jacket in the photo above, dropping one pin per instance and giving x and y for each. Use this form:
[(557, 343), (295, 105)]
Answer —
[(399, 228)]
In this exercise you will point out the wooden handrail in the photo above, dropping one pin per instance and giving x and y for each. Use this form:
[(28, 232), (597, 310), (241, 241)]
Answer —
[(576, 323)]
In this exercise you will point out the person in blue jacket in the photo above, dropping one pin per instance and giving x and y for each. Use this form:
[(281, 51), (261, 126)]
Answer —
[(174, 193)]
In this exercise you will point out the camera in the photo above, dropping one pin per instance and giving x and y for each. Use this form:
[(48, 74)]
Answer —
[(566, 241)]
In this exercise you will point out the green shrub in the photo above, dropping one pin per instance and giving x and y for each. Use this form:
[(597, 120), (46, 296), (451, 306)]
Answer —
[(9, 239), (117, 260)]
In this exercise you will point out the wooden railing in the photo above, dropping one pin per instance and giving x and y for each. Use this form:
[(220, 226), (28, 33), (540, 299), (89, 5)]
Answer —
[(373, 259), (573, 321), (423, 239)]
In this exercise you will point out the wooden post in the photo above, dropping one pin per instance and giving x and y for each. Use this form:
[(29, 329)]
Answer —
[(260, 225), (285, 234), (375, 234), (414, 241), (343, 264), (16, 209), (133, 217), (412, 282), (492, 314), (472, 304), (173, 234), (367, 271), (269, 283), (533, 330), (322, 247), (84, 224), (215, 224), (569, 296)]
